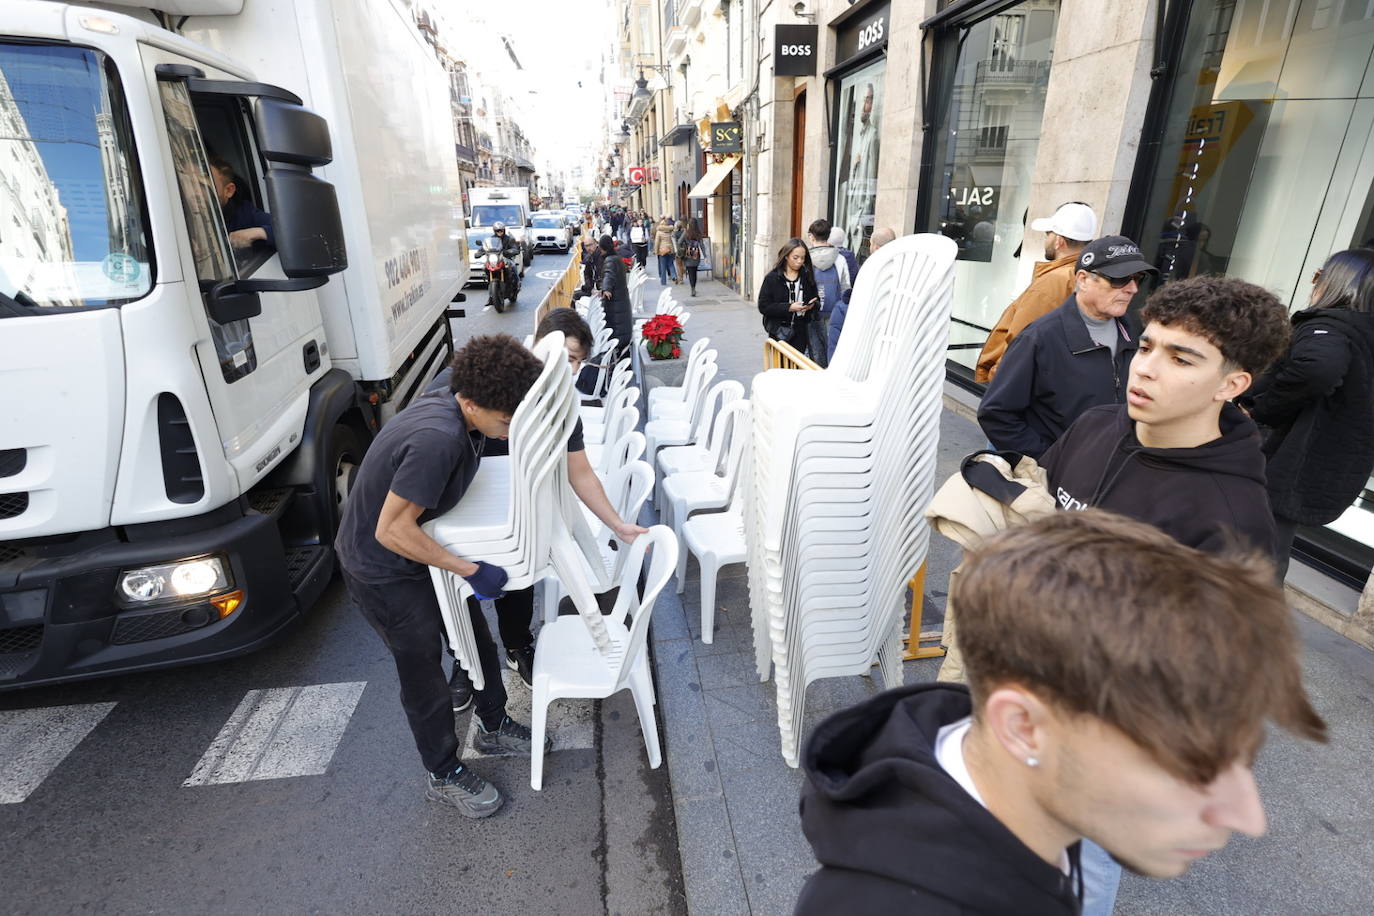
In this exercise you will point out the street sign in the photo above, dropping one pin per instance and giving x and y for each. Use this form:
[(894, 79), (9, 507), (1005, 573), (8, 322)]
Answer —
[(634, 174), (727, 137)]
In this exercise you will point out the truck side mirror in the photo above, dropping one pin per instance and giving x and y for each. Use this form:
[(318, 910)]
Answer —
[(226, 302), (529, 222), (306, 224)]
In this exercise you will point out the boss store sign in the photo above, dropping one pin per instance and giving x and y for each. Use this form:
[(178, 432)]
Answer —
[(864, 32), (794, 50)]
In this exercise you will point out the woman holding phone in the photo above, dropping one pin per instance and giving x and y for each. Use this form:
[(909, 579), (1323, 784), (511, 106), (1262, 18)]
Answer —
[(788, 298)]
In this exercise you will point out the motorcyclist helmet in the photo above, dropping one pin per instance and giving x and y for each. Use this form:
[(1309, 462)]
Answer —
[(498, 227)]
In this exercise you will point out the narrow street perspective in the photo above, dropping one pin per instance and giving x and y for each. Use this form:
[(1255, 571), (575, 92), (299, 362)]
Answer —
[(687, 457)]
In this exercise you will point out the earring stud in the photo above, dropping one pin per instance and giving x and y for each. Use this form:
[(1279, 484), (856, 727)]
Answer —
[(1032, 761)]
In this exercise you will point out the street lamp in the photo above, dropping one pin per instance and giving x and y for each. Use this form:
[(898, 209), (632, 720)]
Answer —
[(639, 102)]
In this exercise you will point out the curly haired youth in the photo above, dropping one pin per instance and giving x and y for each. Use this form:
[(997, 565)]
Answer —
[(495, 371), (1247, 323)]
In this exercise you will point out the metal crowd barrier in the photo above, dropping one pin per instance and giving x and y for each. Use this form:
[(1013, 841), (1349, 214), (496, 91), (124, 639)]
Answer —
[(779, 355), (560, 295)]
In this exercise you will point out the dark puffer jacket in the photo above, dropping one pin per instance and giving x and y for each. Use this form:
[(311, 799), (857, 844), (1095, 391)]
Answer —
[(1319, 404)]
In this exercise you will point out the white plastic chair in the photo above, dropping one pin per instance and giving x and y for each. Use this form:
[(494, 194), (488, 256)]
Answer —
[(691, 491), (693, 379), (681, 431), (716, 540), (567, 663), (708, 444), (695, 353)]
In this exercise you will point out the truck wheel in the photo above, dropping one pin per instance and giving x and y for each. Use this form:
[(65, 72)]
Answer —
[(345, 457)]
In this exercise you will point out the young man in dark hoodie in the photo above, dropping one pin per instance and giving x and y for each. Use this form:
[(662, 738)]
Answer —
[(1082, 718), (1178, 454)]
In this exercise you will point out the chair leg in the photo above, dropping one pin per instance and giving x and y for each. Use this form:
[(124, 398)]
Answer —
[(708, 570), (550, 593), (539, 713), (641, 689), (681, 560)]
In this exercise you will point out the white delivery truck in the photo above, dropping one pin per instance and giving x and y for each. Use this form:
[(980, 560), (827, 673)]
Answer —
[(227, 251), (505, 205)]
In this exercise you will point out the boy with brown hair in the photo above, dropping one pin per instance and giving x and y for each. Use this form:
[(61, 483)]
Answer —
[(1178, 454), (1134, 722)]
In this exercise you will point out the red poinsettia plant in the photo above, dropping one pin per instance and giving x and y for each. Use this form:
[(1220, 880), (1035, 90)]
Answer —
[(663, 333)]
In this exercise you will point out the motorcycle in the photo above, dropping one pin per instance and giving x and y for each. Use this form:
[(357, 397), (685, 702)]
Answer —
[(502, 287)]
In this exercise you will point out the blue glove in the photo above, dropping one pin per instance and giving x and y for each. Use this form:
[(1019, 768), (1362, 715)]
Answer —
[(488, 582)]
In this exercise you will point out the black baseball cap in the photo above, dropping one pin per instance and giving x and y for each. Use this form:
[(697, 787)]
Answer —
[(1113, 256)]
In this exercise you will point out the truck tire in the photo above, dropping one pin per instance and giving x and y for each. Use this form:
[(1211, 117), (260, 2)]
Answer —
[(345, 456)]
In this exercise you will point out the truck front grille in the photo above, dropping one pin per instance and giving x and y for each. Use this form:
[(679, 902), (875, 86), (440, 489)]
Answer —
[(18, 646), (13, 505), (143, 627), (12, 461)]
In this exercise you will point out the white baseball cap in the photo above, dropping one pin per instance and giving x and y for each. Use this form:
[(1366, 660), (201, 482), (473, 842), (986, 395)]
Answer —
[(1073, 221)]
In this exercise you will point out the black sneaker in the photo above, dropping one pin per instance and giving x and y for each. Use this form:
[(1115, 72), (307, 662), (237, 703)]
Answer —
[(460, 688), (522, 661), (472, 795), (510, 740)]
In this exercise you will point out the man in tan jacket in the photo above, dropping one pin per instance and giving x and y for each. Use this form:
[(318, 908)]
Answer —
[(1071, 227)]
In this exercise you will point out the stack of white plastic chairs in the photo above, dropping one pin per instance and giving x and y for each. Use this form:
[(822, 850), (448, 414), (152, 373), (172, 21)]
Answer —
[(843, 465), (635, 282), (516, 515)]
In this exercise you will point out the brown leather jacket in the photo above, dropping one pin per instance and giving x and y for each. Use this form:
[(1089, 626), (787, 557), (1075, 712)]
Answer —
[(1051, 283)]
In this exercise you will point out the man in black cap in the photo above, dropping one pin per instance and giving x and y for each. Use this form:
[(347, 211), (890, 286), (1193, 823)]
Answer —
[(1074, 358)]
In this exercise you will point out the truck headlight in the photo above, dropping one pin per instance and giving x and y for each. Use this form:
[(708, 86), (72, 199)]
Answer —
[(187, 579)]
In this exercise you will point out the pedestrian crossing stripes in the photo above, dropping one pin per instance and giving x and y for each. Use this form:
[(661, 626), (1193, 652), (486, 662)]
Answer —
[(571, 723), (34, 741), (279, 733)]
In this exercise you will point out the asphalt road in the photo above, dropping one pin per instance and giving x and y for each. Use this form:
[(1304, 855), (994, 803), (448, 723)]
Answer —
[(287, 782)]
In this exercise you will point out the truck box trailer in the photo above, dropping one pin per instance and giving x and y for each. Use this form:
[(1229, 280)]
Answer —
[(190, 397)]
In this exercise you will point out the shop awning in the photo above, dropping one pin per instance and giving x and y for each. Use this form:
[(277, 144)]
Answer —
[(715, 174), (679, 134)]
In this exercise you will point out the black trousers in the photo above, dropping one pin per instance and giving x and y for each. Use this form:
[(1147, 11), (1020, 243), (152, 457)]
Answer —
[(691, 270), (405, 613), (514, 612)]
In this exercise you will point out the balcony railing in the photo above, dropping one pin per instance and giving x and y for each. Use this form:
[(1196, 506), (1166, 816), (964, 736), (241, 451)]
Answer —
[(1012, 72)]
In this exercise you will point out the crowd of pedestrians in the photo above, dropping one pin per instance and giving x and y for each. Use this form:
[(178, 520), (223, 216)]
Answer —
[(1118, 652)]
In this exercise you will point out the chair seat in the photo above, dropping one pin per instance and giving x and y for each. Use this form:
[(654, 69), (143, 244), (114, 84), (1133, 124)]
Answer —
[(676, 459), (694, 486), (669, 410), (721, 534), (566, 657)]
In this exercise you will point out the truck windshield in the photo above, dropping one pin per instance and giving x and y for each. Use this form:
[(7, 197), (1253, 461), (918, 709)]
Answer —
[(72, 228), (486, 214)]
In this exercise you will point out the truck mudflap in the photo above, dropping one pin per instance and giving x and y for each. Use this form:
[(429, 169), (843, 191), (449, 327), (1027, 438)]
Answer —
[(62, 617)]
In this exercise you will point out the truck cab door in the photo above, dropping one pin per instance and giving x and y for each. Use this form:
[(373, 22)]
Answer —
[(265, 344)]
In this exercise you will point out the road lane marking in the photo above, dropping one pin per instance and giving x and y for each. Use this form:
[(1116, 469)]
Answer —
[(279, 733), (34, 741), (549, 275), (571, 723)]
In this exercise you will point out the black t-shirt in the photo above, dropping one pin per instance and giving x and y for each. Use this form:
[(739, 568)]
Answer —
[(426, 455)]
